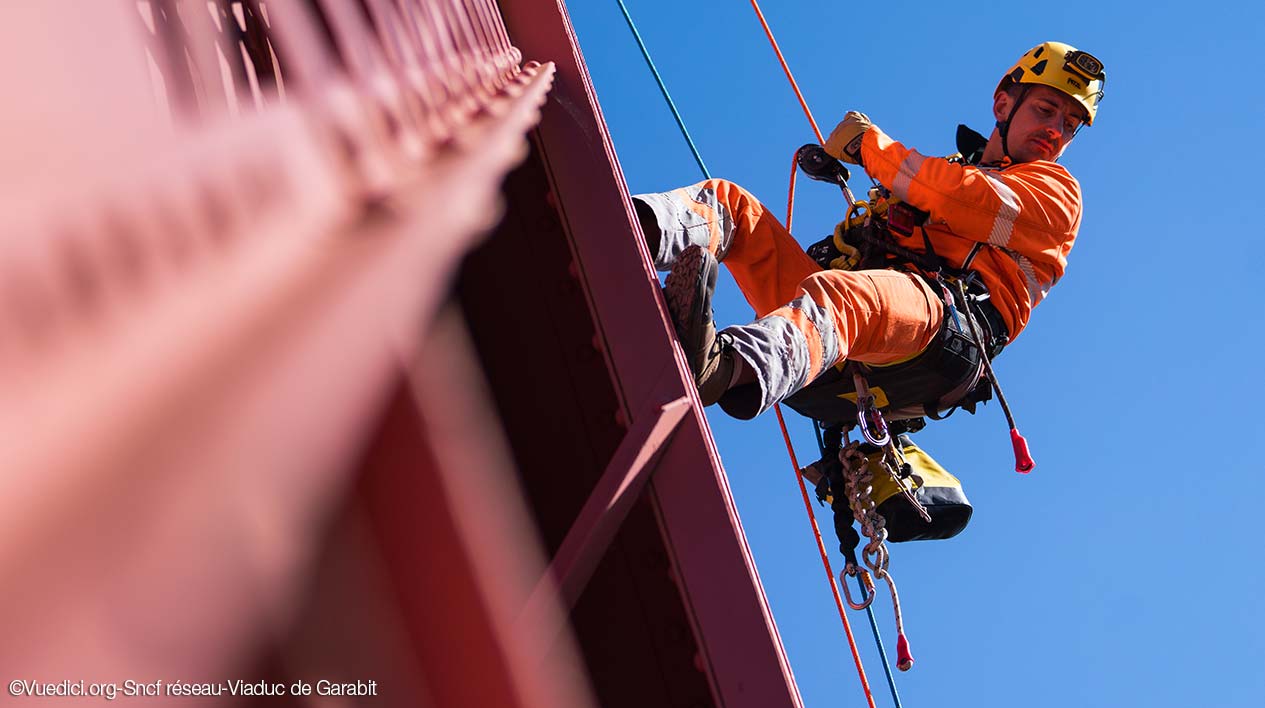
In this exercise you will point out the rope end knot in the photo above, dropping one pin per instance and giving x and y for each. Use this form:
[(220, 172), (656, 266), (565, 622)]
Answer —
[(1023, 459), (904, 660)]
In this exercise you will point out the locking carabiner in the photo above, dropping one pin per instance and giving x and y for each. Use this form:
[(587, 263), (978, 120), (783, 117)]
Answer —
[(867, 586), (868, 414)]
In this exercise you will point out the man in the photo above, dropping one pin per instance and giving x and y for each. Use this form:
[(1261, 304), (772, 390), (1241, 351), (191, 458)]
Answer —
[(1013, 219)]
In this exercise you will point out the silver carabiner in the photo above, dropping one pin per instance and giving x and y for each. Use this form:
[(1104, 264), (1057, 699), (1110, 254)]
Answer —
[(883, 437), (867, 586), (866, 409)]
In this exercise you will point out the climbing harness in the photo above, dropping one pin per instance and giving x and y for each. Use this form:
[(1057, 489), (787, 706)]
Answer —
[(955, 370), (944, 376), (949, 373)]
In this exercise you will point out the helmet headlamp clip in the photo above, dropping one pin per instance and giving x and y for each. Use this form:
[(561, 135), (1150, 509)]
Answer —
[(1085, 64)]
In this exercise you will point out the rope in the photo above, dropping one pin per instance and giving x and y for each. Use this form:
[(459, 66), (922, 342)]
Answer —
[(878, 641), (776, 50), (869, 607), (825, 560), (808, 505), (768, 32), (821, 548), (858, 479), (658, 79)]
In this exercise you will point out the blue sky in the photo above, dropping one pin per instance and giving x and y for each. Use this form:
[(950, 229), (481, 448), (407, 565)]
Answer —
[(1127, 569)]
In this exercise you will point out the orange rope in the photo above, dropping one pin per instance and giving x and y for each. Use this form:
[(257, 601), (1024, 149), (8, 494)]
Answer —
[(790, 449), (825, 561), (787, 69), (808, 505)]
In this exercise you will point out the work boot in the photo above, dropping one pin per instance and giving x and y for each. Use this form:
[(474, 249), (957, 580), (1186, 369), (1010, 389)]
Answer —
[(688, 289)]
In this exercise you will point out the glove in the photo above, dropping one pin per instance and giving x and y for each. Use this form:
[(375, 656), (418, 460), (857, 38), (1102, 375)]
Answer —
[(845, 140)]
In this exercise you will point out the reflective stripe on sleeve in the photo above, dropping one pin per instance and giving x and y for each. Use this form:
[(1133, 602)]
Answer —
[(1004, 222), (908, 168), (1037, 290)]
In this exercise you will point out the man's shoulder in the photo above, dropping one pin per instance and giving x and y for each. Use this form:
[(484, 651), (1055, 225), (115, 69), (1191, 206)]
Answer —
[(1042, 169), (1045, 177)]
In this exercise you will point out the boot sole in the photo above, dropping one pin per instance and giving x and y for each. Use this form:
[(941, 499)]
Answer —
[(688, 290)]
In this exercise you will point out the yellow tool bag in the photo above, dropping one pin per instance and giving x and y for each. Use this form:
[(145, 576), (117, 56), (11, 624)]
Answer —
[(937, 490)]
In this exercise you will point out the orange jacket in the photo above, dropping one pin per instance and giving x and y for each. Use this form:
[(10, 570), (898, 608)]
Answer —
[(1026, 214)]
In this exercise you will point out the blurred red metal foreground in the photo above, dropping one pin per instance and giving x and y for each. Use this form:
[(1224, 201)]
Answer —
[(266, 418)]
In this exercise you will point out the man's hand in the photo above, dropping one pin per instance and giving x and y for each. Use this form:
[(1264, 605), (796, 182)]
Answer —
[(845, 140)]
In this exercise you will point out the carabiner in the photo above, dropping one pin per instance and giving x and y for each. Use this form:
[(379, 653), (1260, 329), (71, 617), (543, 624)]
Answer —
[(867, 586), (883, 437), (865, 410)]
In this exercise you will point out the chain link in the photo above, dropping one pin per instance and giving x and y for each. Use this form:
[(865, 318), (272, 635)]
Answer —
[(892, 462), (858, 483)]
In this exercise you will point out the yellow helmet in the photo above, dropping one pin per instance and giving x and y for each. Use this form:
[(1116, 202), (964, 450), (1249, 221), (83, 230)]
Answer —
[(1063, 67)]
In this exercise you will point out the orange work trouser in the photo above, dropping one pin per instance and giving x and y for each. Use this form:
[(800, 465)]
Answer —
[(809, 318)]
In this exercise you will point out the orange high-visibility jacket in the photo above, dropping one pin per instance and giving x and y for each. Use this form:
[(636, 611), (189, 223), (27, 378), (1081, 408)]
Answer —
[(1027, 215)]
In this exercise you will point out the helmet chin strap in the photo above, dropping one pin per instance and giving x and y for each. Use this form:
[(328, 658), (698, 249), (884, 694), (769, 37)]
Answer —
[(1003, 126)]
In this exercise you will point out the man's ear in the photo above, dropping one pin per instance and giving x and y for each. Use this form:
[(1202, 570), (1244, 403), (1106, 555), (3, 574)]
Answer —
[(1002, 103)]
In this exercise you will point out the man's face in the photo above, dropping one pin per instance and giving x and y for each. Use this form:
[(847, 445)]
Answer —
[(1042, 125)]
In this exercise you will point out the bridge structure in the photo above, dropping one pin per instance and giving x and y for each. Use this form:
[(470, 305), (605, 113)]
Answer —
[(331, 352)]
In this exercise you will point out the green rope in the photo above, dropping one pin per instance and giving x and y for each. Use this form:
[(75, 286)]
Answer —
[(676, 114)]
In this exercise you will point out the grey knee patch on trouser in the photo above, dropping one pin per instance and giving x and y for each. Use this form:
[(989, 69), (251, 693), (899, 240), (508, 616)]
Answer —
[(825, 326), (681, 227), (778, 352)]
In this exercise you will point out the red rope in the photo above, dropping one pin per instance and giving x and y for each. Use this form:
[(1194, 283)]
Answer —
[(786, 436), (803, 104), (808, 504)]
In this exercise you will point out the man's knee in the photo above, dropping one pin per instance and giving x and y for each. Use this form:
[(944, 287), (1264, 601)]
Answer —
[(843, 290)]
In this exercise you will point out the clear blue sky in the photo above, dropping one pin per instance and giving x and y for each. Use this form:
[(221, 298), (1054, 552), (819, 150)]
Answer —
[(1127, 569)]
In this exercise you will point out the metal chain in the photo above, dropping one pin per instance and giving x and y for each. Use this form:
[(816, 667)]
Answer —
[(892, 462), (858, 479)]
